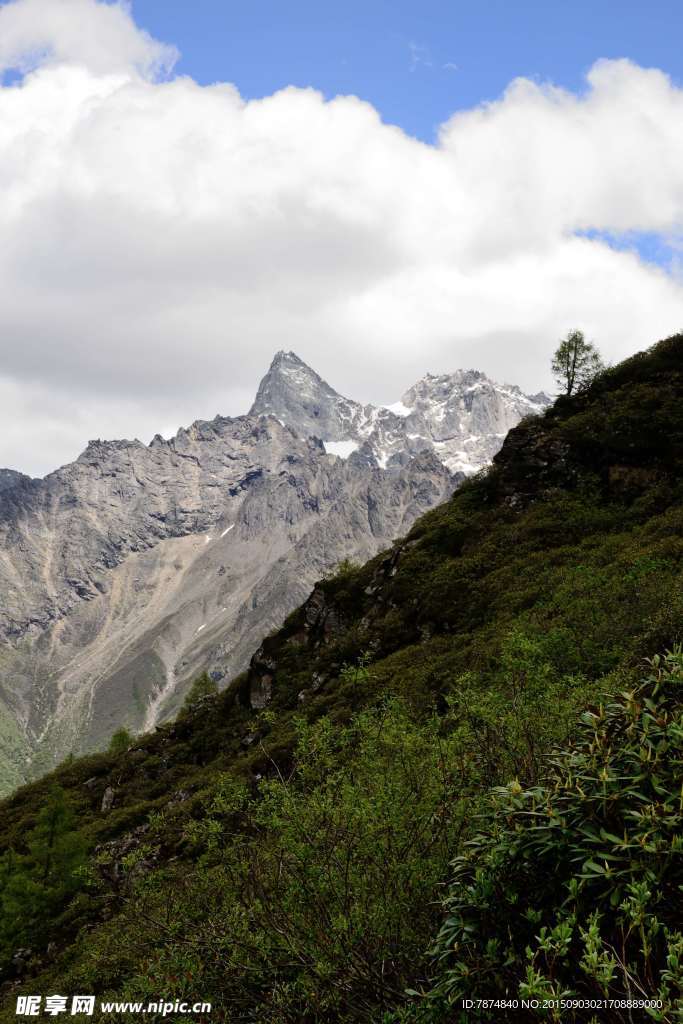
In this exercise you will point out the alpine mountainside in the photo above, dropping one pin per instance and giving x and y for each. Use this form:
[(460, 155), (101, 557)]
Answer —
[(341, 835), (127, 572)]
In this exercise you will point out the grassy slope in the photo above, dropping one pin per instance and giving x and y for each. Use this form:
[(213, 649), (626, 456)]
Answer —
[(570, 548)]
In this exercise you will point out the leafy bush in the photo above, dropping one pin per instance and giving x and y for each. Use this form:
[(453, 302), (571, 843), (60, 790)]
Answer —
[(574, 886), (344, 569)]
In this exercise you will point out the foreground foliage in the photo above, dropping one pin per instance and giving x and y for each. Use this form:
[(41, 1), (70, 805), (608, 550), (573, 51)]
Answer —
[(575, 887), (311, 896)]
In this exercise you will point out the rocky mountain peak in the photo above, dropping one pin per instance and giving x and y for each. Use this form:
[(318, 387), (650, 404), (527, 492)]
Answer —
[(461, 417), (297, 396), (98, 451), (283, 358), (465, 415)]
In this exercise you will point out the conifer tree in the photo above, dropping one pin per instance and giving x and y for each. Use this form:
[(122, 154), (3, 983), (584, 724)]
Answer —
[(576, 363), (35, 883)]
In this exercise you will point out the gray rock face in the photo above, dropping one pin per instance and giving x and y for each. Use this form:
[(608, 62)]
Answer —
[(126, 573), (295, 394), (461, 417), (11, 478), (466, 415)]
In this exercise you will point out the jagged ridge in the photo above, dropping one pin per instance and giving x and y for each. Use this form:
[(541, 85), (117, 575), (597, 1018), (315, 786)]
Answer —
[(461, 417)]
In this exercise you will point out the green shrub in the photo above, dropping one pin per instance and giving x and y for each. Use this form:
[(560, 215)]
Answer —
[(574, 887)]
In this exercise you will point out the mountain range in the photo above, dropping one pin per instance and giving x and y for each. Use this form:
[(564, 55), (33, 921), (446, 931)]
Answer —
[(131, 570), (461, 417)]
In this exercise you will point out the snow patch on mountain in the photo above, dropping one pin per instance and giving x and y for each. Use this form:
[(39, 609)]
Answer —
[(398, 408), (342, 449)]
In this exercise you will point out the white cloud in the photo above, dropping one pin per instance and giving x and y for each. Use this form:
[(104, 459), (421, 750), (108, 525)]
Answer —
[(101, 36), (159, 240)]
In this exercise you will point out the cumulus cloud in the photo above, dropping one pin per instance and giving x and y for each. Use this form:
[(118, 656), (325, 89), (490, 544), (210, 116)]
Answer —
[(101, 36), (159, 240)]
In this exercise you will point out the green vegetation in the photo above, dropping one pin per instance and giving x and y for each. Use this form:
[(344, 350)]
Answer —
[(346, 568), (319, 882), (37, 883), (576, 363), (573, 888), (203, 686), (290, 864), (120, 741)]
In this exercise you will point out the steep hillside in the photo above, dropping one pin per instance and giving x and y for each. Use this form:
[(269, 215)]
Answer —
[(280, 849), (573, 534)]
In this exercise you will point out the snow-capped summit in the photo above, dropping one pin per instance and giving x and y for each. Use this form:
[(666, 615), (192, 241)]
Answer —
[(462, 417)]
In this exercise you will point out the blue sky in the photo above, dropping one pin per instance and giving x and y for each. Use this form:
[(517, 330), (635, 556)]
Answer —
[(399, 55)]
